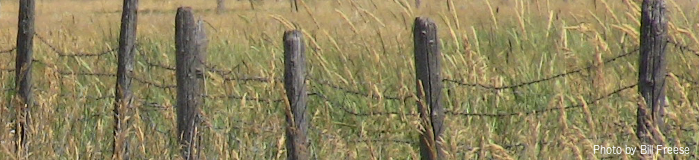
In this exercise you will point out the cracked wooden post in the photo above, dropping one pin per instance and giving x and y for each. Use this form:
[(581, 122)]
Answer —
[(191, 43), (429, 87), (125, 63), (23, 70), (294, 82), (652, 71)]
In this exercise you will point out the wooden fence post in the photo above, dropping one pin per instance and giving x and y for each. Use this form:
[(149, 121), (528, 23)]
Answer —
[(191, 45), (429, 87), (124, 95), (294, 83), (651, 79), (23, 68)]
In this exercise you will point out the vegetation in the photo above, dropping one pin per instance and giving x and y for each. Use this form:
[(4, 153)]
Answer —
[(363, 46)]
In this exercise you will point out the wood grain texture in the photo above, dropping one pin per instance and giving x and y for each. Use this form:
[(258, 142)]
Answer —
[(294, 83), (429, 87), (125, 65), (190, 43)]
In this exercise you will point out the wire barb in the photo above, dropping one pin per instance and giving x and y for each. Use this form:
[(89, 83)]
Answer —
[(373, 96), (8, 50), (683, 47), (348, 111)]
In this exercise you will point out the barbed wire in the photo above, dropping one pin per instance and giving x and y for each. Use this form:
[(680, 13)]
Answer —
[(491, 87), (153, 84), (88, 97), (361, 140), (38, 61), (247, 98), (354, 113), (135, 78), (13, 69), (251, 79), (325, 98), (383, 141), (158, 65), (8, 50), (76, 54), (686, 79), (226, 74), (229, 76), (540, 111), (373, 96), (136, 99), (683, 47), (80, 73)]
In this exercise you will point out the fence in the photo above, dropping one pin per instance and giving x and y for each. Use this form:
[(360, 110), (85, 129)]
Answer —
[(191, 67)]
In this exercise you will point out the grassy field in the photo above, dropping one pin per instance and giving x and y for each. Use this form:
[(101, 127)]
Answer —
[(363, 46)]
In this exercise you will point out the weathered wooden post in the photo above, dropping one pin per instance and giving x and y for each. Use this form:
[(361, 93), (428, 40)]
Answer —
[(429, 87), (23, 68), (651, 77), (191, 43), (294, 83), (123, 95)]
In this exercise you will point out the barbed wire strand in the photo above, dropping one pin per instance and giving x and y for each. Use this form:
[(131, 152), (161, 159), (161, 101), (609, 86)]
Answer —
[(374, 96), (76, 54), (135, 78), (354, 113), (153, 84), (687, 79), (229, 76), (540, 111), (159, 65), (362, 140), (87, 97), (8, 50), (247, 98), (491, 87), (80, 73), (226, 74), (683, 47)]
